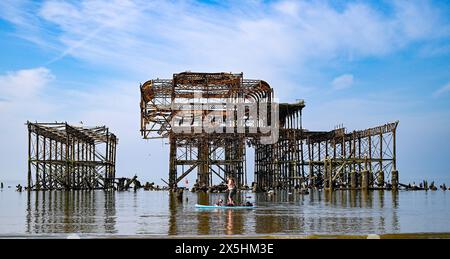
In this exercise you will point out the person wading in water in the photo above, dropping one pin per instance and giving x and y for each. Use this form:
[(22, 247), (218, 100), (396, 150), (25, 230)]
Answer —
[(232, 190)]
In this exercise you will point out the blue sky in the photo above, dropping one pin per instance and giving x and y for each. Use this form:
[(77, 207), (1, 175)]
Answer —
[(360, 63)]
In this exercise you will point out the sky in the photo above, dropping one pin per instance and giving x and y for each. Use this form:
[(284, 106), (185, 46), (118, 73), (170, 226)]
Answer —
[(356, 63)]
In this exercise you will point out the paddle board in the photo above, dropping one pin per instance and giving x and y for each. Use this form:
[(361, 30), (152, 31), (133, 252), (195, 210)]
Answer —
[(222, 207)]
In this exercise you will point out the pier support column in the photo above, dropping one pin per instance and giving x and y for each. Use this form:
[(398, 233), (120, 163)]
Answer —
[(380, 179), (365, 180), (394, 179), (353, 183), (203, 167), (326, 181), (172, 164), (328, 175), (370, 179), (358, 179), (330, 181)]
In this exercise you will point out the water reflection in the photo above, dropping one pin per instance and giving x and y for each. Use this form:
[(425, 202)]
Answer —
[(70, 212), (288, 213), (173, 207), (328, 212), (203, 219), (395, 217), (136, 213)]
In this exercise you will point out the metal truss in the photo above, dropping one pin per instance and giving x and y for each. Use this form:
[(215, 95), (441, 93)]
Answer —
[(298, 158), (61, 156), (207, 97)]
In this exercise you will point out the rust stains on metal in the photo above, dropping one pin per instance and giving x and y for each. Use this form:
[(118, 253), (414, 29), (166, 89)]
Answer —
[(178, 108), (62, 156)]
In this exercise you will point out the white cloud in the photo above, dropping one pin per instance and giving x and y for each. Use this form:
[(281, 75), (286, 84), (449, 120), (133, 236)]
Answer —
[(157, 38), (443, 90), (290, 8), (272, 41), (25, 83), (23, 98), (31, 95), (417, 19), (342, 82)]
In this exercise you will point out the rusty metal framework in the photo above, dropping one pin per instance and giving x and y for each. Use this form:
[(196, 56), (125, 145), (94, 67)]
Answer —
[(221, 156), (282, 164), (61, 156), (358, 159), (177, 109), (331, 160)]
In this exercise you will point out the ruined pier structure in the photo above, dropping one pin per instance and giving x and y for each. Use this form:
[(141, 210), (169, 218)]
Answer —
[(61, 156), (185, 108), (180, 108), (335, 159)]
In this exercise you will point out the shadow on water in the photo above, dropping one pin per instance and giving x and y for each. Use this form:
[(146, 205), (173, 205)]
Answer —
[(55, 212)]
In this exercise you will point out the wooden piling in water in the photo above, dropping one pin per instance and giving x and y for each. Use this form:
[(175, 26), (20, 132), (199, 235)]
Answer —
[(394, 179), (365, 179), (353, 182), (380, 179)]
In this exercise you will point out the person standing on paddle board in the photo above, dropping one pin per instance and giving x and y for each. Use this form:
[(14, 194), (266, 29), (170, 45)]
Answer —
[(232, 190)]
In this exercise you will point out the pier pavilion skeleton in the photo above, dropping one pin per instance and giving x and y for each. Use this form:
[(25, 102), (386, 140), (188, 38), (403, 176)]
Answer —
[(61, 156), (329, 159), (206, 96), (335, 159)]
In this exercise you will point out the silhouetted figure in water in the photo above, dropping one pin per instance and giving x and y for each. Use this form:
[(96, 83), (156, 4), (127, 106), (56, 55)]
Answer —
[(219, 202), (1, 185), (19, 188)]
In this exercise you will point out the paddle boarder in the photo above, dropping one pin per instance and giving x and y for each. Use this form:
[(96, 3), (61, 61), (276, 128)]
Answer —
[(232, 190)]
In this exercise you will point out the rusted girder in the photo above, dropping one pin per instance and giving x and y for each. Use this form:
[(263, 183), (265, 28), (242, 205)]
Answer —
[(178, 108), (61, 156)]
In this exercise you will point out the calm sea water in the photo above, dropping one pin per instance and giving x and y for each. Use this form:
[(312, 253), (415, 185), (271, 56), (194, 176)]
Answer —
[(91, 213)]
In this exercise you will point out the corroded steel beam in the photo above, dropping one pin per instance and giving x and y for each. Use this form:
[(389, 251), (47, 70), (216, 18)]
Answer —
[(61, 156), (298, 157)]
